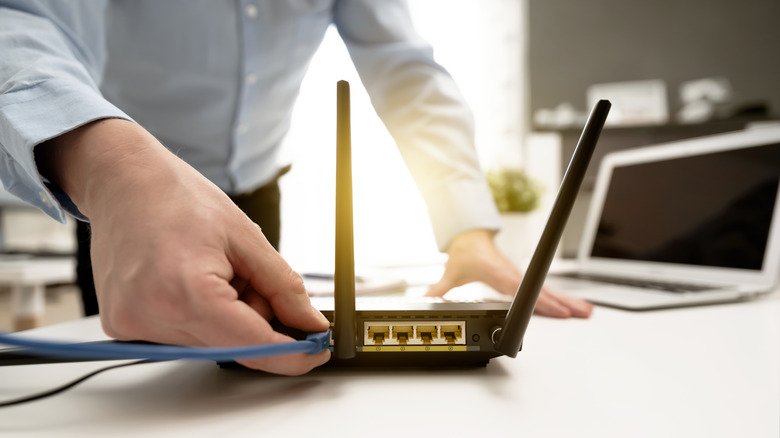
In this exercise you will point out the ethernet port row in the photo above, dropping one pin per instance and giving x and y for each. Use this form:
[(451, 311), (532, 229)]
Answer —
[(414, 332)]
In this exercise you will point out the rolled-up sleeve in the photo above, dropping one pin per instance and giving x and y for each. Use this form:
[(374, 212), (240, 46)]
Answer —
[(423, 110), (51, 61)]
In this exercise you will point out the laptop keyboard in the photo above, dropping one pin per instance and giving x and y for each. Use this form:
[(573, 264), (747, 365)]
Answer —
[(642, 283)]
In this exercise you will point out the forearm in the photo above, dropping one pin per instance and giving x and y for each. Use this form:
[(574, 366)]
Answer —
[(425, 113)]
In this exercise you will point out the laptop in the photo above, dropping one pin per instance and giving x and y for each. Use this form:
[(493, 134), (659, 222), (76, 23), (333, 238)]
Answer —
[(434, 332), (683, 223)]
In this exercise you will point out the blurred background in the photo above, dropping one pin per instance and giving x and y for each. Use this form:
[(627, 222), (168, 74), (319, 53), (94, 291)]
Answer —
[(530, 69)]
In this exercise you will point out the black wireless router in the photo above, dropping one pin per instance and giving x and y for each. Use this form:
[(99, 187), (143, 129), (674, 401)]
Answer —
[(428, 332)]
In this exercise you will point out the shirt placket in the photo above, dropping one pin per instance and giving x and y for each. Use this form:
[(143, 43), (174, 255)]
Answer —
[(250, 36)]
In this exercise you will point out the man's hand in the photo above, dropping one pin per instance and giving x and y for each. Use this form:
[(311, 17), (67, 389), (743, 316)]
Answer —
[(175, 261), (474, 257)]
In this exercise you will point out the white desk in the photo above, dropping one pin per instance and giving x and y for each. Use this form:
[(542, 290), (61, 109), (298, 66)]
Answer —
[(698, 372)]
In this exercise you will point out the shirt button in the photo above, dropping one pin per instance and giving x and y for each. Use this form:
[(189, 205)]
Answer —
[(45, 198), (250, 11), (251, 78), (242, 128)]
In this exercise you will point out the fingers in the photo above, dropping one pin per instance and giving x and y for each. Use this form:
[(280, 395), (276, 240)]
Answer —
[(270, 276), (234, 323), (547, 305), (271, 289), (579, 308), (558, 305), (254, 300), (239, 329)]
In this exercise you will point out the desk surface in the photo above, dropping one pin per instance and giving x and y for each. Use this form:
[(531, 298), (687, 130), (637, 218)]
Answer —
[(698, 372)]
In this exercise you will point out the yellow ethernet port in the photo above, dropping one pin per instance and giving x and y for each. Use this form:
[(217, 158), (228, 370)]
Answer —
[(427, 333), (378, 333), (451, 333), (402, 333)]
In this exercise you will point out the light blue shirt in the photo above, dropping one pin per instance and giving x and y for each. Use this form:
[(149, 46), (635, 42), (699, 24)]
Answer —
[(215, 82)]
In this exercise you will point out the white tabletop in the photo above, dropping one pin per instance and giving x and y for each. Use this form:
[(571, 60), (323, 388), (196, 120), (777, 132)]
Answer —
[(698, 372)]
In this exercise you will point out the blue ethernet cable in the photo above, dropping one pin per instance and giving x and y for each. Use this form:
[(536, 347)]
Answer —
[(110, 350), (147, 353)]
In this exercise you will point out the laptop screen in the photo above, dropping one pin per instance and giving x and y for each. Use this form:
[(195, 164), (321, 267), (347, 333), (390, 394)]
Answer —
[(713, 209)]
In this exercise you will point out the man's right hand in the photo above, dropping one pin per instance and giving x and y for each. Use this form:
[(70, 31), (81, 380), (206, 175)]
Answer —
[(175, 261)]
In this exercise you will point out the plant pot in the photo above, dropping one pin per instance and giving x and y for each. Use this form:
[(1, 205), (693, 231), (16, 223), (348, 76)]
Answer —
[(515, 240)]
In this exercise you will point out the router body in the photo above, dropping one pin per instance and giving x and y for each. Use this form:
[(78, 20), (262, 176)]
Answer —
[(422, 333)]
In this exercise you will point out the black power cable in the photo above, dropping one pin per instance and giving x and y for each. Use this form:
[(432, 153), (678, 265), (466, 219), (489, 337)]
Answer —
[(51, 392)]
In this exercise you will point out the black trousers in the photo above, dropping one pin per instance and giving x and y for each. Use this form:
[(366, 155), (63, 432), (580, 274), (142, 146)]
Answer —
[(262, 206)]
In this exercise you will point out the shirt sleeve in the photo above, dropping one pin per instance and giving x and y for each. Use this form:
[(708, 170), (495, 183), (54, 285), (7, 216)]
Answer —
[(423, 110), (53, 55)]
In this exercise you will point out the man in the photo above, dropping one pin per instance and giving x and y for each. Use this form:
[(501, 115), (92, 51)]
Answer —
[(140, 116)]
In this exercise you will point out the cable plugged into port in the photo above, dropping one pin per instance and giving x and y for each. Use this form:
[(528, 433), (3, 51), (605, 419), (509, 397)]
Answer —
[(377, 333)]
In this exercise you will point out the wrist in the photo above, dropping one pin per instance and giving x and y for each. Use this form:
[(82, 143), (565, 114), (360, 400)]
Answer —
[(470, 238), (92, 162)]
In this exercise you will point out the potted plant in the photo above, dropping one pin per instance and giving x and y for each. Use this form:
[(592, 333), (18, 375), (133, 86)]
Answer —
[(513, 190)]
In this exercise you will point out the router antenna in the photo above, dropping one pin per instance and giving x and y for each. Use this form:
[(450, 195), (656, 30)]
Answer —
[(344, 274), (510, 337)]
